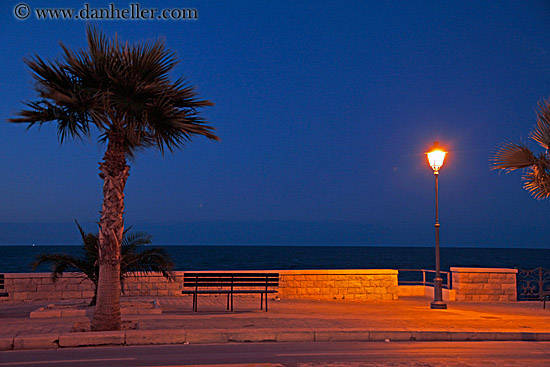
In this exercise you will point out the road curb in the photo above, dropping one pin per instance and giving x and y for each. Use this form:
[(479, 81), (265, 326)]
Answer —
[(151, 337)]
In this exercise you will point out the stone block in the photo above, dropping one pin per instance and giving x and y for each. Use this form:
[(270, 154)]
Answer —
[(41, 313), (342, 335), (35, 342), (509, 298), (92, 338), (314, 291), (75, 287), (207, 336), (473, 335), (6, 343), (341, 284), (71, 294), (45, 295), (372, 297), (480, 278), (87, 294), (295, 336), (506, 287), (245, 336), (290, 284), (147, 337), (390, 335), (301, 291), (49, 287), (20, 296), (431, 336)]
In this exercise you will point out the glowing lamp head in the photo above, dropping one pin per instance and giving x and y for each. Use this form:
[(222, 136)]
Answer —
[(436, 157)]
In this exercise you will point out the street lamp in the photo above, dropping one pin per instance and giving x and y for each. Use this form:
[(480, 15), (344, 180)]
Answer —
[(435, 158)]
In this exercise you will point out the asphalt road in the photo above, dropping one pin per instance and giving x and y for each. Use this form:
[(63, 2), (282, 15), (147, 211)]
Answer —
[(335, 354)]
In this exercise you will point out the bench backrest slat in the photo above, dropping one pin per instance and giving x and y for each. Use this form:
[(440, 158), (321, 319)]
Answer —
[(230, 279)]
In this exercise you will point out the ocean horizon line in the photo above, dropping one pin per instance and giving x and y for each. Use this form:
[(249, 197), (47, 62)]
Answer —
[(483, 246)]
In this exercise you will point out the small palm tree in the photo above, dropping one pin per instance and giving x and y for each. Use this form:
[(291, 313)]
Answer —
[(513, 156), (126, 93), (154, 259)]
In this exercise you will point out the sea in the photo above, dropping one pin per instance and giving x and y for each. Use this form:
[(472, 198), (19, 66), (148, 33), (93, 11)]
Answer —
[(18, 258)]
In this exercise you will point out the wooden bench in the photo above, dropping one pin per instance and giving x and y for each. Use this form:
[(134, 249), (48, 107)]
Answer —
[(230, 284)]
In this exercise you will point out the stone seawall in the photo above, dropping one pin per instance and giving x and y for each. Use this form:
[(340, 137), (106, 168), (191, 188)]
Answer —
[(485, 284), (354, 285), (364, 285), (469, 284)]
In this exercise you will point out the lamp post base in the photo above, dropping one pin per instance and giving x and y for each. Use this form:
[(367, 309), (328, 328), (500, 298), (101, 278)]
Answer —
[(438, 305)]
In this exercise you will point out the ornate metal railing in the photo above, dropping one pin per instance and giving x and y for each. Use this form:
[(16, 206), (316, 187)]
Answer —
[(532, 283)]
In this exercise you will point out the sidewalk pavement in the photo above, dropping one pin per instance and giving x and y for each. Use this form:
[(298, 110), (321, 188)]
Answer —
[(409, 318)]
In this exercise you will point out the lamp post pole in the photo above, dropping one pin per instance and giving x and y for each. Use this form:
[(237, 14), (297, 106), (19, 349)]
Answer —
[(438, 291)]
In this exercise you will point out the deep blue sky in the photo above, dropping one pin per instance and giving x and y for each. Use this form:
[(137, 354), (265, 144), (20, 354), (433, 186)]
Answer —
[(325, 110)]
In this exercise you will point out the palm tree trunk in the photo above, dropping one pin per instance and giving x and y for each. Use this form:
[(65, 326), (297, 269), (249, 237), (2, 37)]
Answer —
[(114, 173)]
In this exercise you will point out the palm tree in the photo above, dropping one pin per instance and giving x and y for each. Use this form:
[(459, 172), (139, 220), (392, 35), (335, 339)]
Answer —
[(154, 259), (125, 92), (512, 156)]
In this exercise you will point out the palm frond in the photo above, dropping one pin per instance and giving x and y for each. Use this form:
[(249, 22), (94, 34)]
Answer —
[(130, 242), (154, 259), (541, 133), (512, 156), (117, 87), (537, 178), (61, 263)]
